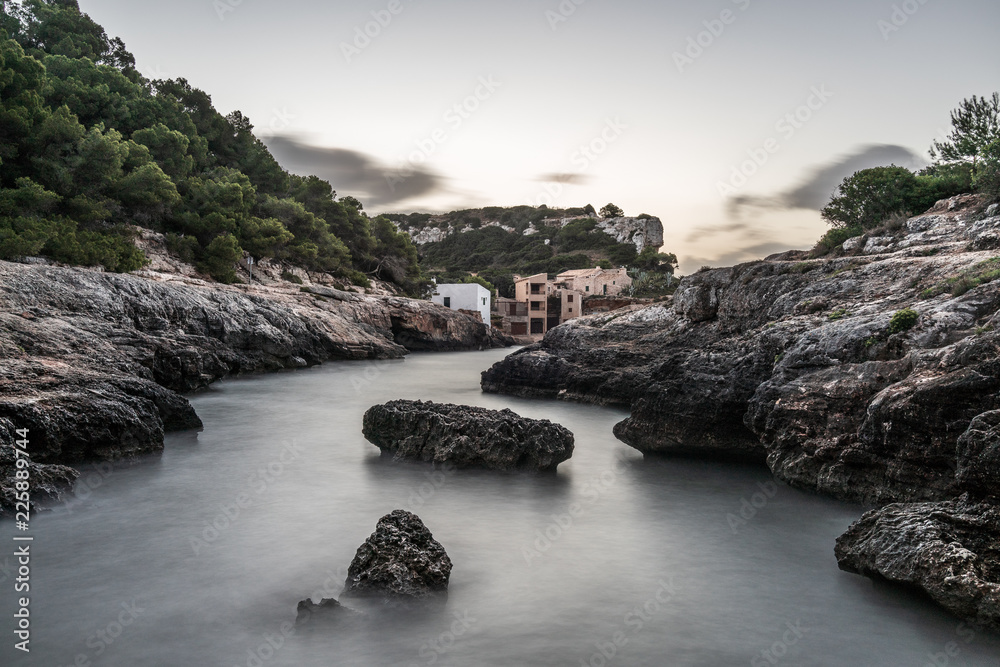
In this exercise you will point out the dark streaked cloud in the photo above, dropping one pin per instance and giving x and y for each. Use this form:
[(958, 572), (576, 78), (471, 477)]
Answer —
[(736, 256), (354, 173), (565, 178), (815, 190)]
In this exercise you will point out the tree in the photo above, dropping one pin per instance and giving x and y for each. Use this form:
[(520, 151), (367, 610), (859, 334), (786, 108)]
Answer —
[(651, 259), (870, 196), (975, 125), (612, 211), (988, 179)]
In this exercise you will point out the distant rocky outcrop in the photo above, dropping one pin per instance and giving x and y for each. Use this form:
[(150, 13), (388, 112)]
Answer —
[(400, 562), (640, 231), (950, 550), (466, 437), (93, 362)]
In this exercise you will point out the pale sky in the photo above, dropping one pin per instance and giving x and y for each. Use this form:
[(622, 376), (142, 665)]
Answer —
[(537, 81)]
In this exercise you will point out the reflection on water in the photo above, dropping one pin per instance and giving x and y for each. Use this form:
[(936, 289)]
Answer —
[(199, 557)]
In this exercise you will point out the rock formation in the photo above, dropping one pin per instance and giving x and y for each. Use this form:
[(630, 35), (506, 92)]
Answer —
[(949, 549), (466, 437), (400, 562), (817, 366), (92, 362)]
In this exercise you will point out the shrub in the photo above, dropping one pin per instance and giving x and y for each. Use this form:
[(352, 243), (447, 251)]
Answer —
[(835, 238), (903, 320), (291, 277), (838, 314)]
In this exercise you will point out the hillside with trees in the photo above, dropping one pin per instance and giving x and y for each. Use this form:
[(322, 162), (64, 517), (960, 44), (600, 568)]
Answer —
[(494, 243), (90, 150)]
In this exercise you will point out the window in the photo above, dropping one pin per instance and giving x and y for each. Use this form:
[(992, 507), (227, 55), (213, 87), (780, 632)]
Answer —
[(569, 299), (537, 326), (588, 288), (484, 300), (570, 311), (447, 302), (536, 305), (613, 282)]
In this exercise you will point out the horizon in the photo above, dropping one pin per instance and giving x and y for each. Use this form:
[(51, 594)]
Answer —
[(730, 123)]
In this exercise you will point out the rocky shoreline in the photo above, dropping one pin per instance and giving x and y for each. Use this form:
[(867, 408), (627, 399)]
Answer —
[(94, 363), (872, 376)]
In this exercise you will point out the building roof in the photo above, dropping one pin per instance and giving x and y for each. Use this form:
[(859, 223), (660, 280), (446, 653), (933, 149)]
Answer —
[(579, 273)]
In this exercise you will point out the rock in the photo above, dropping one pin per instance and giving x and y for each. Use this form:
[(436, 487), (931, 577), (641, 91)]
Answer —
[(47, 483), (793, 359), (465, 437), (979, 456), (327, 612), (94, 361), (949, 549), (400, 562)]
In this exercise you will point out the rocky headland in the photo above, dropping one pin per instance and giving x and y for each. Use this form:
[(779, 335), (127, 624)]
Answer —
[(872, 375), (95, 364)]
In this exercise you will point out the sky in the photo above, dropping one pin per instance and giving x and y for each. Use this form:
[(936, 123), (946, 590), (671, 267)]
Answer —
[(730, 120)]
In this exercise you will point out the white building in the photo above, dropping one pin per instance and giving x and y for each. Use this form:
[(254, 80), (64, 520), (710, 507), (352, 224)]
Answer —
[(465, 296)]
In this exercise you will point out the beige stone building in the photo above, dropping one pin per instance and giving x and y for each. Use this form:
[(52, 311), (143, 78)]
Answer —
[(593, 282)]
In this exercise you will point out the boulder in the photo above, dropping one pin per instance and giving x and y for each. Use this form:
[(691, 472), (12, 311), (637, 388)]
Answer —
[(466, 437), (327, 612), (400, 562), (979, 456), (949, 549)]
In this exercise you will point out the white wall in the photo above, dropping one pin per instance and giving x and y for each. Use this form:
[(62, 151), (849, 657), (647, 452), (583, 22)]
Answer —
[(465, 297)]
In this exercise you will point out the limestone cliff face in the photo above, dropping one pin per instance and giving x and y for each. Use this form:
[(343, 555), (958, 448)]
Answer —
[(643, 232), (793, 361), (92, 363)]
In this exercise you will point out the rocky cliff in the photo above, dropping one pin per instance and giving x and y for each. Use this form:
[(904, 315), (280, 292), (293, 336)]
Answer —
[(872, 375), (643, 232), (93, 363)]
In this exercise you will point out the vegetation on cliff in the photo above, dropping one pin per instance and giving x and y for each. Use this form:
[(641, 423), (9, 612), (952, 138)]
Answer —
[(91, 148)]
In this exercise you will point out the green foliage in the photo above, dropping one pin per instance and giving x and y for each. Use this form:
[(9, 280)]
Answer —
[(651, 259), (291, 277), (651, 284), (838, 314), (835, 238), (903, 320), (612, 211), (105, 149), (975, 125), (220, 257), (870, 196), (987, 180)]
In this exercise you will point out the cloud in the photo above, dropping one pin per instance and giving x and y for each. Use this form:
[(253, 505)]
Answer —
[(565, 178), (737, 256), (354, 173), (815, 190)]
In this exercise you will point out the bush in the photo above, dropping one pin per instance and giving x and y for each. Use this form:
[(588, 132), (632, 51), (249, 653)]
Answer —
[(290, 277), (987, 180), (903, 320), (220, 258), (835, 238)]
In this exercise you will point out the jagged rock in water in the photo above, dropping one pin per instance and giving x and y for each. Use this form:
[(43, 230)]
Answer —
[(328, 611), (401, 561), (465, 436), (949, 549), (47, 483)]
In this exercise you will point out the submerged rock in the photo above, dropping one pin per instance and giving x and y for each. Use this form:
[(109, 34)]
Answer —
[(401, 561), (949, 549), (465, 436), (328, 611)]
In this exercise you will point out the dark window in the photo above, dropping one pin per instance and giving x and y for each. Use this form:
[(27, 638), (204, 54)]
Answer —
[(588, 288), (571, 310), (569, 298), (447, 302), (537, 326), (605, 288), (536, 305)]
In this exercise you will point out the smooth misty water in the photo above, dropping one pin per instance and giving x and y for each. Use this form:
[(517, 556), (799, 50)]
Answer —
[(643, 530)]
